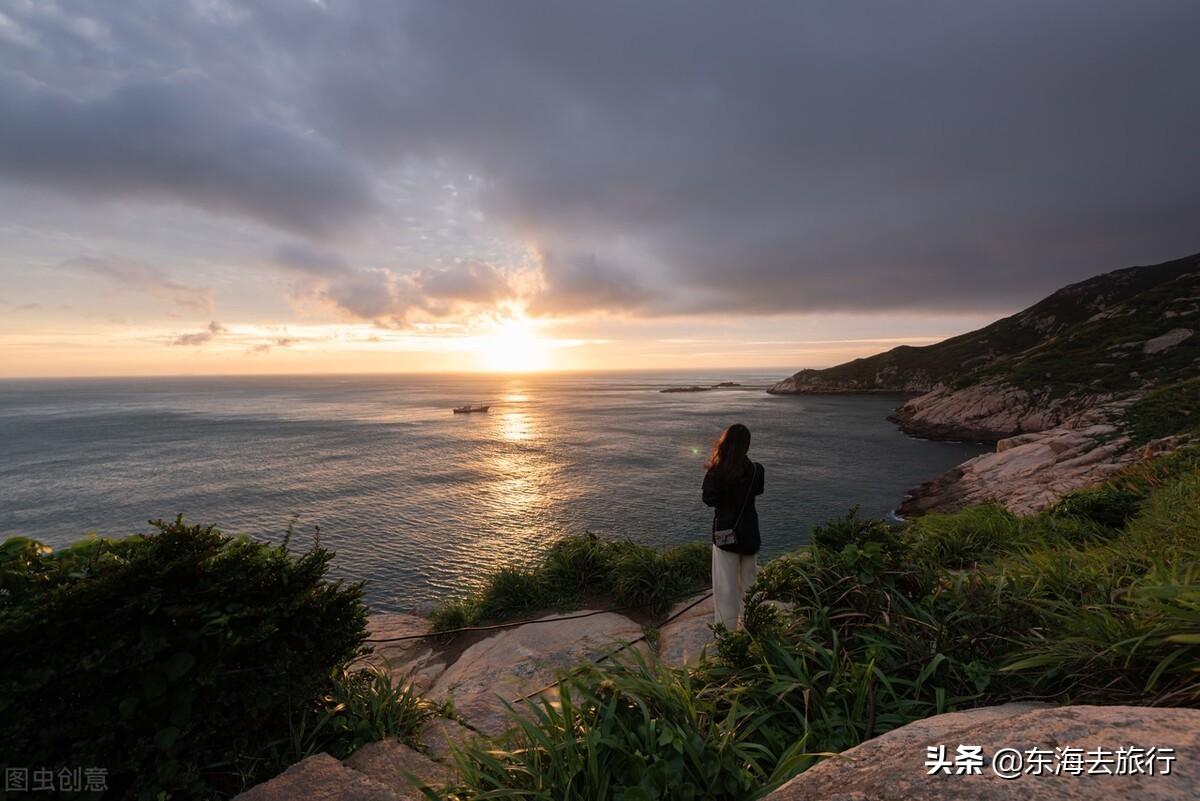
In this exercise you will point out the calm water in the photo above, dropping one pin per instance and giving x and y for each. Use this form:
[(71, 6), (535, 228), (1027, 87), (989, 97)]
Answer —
[(419, 501)]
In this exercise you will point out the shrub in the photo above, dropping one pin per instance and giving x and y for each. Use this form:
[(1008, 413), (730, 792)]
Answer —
[(1111, 507), (577, 570), (1166, 411), (360, 707), (179, 660), (972, 608), (959, 540), (632, 729)]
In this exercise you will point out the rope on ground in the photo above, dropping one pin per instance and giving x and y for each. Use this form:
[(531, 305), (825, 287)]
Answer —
[(607, 655), (515, 623)]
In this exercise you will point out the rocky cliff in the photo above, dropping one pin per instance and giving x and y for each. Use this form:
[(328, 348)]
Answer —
[(1074, 367)]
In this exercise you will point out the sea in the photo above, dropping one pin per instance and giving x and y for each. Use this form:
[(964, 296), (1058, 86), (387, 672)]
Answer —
[(419, 502)]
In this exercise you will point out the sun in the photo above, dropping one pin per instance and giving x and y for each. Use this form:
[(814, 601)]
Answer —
[(514, 347)]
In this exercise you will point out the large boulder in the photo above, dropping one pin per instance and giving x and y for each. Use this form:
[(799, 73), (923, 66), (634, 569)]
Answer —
[(525, 659), (410, 657), (1029, 472), (399, 767), (988, 411), (893, 766), (320, 778)]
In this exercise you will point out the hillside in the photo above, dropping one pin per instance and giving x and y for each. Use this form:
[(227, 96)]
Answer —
[(1115, 334), (1069, 388)]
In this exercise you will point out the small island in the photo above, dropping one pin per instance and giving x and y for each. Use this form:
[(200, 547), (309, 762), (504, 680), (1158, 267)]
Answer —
[(692, 388)]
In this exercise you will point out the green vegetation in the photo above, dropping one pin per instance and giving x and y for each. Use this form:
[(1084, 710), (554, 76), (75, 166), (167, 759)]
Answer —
[(1167, 411), (189, 663), (1083, 339), (577, 569), (871, 627), (194, 664)]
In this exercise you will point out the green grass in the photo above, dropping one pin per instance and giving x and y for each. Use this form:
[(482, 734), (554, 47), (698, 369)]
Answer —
[(1094, 601), (1167, 411), (577, 570)]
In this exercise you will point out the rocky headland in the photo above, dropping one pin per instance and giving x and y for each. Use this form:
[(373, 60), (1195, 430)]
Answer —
[(1098, 375)]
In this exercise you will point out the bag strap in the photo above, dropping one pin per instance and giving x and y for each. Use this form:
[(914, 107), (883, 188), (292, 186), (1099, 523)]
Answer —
[(749, 491)]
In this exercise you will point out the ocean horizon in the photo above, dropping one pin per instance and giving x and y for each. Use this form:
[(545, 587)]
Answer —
[(419, 502)]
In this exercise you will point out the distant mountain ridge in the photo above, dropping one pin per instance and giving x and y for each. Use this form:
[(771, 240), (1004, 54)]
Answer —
[(1094, 377)]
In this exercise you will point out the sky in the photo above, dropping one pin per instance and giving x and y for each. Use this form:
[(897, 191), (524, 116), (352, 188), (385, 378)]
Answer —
[(320, 186)]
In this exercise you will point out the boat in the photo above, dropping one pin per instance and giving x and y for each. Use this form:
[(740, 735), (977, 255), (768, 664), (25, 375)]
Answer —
[(479, 407)]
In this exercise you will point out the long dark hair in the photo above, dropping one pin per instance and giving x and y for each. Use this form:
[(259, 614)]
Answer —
[(730, 450)]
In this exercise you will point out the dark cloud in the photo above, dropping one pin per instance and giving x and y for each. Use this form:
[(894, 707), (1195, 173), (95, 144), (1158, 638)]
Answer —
[(178, 139), (144, 278), (788, 157), (303, 257), (581, 283), (670, 157), (210, 333)]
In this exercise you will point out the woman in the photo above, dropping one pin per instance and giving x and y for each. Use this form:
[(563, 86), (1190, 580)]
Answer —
[(730, 485)]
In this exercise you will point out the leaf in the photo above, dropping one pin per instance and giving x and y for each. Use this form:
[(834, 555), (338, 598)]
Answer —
[(165, 738), (179, 664)]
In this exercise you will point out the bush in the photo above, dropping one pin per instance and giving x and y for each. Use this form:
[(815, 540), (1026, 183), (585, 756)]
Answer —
[(362, 706), (1111, 507), (959, 540), (632, 729), (181, 660), (577, 570), (870, 628)]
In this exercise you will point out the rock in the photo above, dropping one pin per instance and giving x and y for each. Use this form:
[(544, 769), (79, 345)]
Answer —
[(681, 641), (1030, 472), (883, 382), (987, 412), (320, 778), (399, 767), (414, 661), (438, 733), (1166, 341), (523, 659), (892, 767)]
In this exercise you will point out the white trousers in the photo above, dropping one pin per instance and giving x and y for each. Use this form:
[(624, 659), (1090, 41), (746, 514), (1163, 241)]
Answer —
[(732, 575)]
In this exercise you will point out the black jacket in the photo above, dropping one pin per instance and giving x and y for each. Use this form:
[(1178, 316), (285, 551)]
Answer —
[(727, 495)]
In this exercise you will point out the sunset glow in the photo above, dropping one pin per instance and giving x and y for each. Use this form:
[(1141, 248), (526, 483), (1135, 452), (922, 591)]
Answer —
[(514, 347)]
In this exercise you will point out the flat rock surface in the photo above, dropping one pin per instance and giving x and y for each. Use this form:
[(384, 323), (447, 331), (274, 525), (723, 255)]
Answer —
[(892, 767), (523, 659), (320, 778), (438, 733), (395, 765), (681, 641), (415, 661)]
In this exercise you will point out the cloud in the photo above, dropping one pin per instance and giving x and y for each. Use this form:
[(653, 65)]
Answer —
[(389, 296), (798, 158), (278, 342), (664, 158), (303, 257), (581, 282), (144, 278), (200, 337), (180, 139)]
